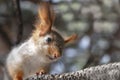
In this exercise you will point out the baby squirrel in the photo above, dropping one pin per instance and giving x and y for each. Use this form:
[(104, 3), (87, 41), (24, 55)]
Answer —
[(40, 50)]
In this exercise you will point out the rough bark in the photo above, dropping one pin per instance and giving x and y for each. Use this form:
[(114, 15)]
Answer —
[(103, 72)]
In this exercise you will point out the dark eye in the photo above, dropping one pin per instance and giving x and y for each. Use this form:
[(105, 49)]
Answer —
[(48, 40)]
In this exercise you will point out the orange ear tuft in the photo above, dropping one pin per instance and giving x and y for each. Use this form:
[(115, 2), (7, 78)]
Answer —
[(71, 38), (46, 16)]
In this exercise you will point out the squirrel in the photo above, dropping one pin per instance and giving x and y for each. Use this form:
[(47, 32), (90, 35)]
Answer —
[(43, 47)]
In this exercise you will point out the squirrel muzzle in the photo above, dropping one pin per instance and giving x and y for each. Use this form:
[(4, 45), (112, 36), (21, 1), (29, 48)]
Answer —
[(54, 52)]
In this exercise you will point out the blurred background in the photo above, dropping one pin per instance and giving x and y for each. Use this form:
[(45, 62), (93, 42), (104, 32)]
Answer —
[(97, 22)]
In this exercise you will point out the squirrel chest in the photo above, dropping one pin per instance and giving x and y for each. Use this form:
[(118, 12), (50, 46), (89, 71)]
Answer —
[(27, 59)]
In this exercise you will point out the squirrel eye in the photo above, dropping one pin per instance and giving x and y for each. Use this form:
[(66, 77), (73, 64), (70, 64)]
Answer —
[(48, 40)]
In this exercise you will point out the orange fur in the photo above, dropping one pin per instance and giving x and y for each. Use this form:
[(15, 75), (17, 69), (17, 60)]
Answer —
[(45, 19), (71, 38), (18, 76), (43, 70), (54, 51)]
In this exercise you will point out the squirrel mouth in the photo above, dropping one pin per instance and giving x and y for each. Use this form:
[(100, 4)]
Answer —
[(50, 57)]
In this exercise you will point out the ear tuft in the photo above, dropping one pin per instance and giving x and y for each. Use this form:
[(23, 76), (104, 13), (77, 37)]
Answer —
[(72, 38), (45, 18)]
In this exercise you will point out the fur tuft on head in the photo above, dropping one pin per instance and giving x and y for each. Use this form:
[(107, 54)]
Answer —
[(46, 16), (45, 20)]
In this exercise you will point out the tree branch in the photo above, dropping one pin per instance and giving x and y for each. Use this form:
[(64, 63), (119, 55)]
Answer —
[(16, 4), (104, 72)]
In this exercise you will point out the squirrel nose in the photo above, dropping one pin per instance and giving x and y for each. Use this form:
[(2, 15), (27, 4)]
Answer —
[(56, 55)]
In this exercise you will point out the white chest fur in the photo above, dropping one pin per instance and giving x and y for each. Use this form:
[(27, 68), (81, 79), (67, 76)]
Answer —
[(28, 58)]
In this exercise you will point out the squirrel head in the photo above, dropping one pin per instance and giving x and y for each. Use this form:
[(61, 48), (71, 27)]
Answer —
[(49, 40)]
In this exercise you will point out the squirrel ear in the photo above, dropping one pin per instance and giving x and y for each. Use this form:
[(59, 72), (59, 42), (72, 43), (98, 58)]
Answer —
[(72, 38), (46, 16)]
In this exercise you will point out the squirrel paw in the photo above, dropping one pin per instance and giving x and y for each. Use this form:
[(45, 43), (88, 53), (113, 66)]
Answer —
[(41, 72)]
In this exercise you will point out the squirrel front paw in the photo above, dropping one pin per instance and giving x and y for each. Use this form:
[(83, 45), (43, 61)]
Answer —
[(41, 72)]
